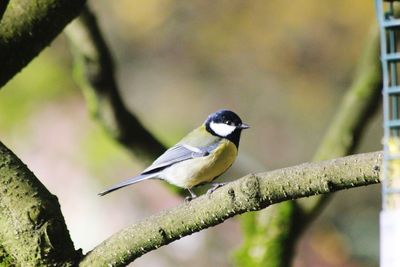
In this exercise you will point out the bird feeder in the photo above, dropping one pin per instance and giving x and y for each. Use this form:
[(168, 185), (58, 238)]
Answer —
[(388, 13)]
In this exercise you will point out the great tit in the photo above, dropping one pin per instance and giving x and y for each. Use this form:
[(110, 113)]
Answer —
[(199, 158)]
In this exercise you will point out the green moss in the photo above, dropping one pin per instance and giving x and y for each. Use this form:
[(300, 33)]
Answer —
[(265, 232), (5, 259)]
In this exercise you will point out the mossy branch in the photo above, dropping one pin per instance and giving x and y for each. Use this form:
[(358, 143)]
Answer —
[(27, 27), (252, 192), (289, 219), (32, 227), (95, 74), (94, 71), (358, 106)]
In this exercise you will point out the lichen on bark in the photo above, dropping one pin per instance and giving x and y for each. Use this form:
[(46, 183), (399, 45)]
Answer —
[(32, 227)]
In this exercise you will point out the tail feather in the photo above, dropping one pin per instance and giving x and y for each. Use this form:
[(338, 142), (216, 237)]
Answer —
[(127, 182)]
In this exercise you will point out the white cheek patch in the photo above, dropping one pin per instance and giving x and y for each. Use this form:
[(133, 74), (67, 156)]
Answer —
[(222, 129)]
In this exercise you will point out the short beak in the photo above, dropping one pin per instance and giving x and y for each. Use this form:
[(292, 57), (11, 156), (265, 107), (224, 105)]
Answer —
[(244, 126)]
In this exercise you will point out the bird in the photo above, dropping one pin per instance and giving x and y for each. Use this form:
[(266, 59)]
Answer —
[(199, 158)]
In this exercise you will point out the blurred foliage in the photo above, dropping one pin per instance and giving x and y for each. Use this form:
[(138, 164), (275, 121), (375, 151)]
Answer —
[(99, 150), (44, 80)]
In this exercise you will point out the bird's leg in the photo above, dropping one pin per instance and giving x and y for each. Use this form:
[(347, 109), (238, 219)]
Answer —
[(214, 187), (191, 197)]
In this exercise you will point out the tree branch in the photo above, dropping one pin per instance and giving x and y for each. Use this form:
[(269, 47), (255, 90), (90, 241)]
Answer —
[(28, 27), (94, 69), (358, 104), (355, 111), (252, 192), (32, 227), (341, 139)]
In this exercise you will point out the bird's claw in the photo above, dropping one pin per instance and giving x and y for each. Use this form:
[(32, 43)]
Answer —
[(215, 187), (188, 199), (191, 197)]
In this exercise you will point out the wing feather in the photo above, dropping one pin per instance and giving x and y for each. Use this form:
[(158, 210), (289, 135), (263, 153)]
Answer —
[(184, 150), (178, 153)]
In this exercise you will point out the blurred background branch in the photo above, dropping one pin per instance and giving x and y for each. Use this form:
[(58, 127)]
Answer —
[(32, 227), (354, 113), (278, 229), (95, 74), (22, 39), (250, 193)]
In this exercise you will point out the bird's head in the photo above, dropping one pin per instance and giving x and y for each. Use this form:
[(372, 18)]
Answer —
[(226, 124)]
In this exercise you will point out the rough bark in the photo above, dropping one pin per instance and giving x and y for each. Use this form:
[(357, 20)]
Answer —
[(252, 192), (292, 217), (32, 227), (27, 27)]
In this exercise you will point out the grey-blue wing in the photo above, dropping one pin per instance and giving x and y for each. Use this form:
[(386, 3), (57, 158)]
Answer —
[(177, 154)]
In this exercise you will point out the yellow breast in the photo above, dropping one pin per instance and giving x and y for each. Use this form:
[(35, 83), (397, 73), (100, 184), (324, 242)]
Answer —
[(193, 172)]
